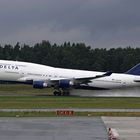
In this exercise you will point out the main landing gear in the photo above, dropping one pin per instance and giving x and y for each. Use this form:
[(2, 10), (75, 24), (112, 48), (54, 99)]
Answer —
[(61, 92)]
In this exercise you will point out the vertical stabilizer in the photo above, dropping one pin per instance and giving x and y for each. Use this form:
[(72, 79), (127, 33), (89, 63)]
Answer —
[(135, 70)]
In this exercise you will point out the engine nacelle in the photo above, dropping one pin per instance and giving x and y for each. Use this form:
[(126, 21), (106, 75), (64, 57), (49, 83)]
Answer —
[(65, 83), (39, 84)]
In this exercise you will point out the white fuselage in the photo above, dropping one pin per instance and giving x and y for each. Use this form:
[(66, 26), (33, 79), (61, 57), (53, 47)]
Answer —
[(22, 71)]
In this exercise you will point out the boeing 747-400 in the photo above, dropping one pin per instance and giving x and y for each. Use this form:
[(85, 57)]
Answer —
[(63, 80)]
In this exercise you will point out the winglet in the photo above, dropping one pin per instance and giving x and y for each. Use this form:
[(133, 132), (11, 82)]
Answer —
[(108, 73)]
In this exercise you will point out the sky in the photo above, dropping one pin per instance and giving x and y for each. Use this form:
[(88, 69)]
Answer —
[(98, 23)]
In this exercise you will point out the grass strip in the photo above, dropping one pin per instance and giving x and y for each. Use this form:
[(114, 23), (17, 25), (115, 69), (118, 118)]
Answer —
[(30, 102), (76, 114)]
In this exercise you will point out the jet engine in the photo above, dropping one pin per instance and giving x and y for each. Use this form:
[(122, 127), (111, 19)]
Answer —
[(40, 84), (60, 84), (65, 83)]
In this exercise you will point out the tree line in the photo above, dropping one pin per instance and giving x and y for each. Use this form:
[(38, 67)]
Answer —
[(73, 55)]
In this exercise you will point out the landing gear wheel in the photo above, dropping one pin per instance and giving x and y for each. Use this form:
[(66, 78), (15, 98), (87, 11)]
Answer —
[(57, 93), (61, 92)]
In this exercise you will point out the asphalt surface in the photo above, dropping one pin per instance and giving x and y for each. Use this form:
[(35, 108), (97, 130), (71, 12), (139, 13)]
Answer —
[(126, 92), (56, 128), (128, 128)]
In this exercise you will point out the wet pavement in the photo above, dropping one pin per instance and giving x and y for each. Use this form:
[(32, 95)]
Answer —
[(54, 128), (126, 92), (127, 127)]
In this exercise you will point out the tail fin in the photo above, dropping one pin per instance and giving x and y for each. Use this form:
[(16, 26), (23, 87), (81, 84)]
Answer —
[(135, 70)]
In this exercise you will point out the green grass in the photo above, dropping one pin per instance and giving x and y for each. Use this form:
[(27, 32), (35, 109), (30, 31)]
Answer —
[(76, 114), (67, 102), (25, 97), (22, 89)]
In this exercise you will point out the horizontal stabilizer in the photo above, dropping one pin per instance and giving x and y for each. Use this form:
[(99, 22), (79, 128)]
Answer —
[(137, 81)]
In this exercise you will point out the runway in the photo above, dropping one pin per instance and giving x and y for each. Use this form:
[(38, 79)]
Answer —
[(126, 92), (55, 128), (68, 128)]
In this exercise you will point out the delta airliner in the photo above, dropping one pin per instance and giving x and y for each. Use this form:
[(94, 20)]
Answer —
[(63, 80)]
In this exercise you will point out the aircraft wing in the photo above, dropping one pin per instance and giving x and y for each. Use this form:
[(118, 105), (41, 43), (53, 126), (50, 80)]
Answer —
[(82, 80), (55, 81)]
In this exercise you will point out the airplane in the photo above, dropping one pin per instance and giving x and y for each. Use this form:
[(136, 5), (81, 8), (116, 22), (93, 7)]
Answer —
[(63, 80)]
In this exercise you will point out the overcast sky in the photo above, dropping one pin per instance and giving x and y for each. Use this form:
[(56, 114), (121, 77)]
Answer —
[(99, 23)]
